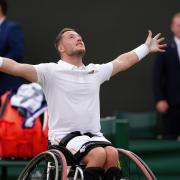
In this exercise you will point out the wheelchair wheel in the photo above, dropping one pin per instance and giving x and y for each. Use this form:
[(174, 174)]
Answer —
[(44, 166), (146, 166), (133, 167), (72, 170), (62, 163)]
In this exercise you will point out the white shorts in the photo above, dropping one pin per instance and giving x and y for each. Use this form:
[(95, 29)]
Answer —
[(80, 145)]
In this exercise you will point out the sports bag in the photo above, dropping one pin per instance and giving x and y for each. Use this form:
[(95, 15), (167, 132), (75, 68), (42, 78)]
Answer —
[(16, 140)]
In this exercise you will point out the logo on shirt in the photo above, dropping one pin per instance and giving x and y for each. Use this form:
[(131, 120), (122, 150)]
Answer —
[(92, 71)]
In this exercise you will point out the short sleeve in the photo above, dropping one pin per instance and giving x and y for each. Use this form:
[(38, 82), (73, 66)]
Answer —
[(44, 73), (104, 71)]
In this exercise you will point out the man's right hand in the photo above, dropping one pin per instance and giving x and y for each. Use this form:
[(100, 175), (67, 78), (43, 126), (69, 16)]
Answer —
[(162, 106)]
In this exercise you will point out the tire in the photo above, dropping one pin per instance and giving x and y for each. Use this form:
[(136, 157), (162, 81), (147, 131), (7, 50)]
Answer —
[(133, 167), (37, 167), (62, 163), (146, 166)]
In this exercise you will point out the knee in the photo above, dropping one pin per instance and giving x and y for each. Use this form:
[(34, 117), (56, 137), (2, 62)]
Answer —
[(96, 157), (98, 154), (112, 154)]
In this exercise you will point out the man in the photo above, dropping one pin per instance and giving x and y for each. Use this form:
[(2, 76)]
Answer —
[(11, 46), (72, 93), (167, 83)]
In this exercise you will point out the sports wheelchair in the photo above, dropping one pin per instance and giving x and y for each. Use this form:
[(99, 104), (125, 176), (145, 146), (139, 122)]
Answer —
[(58, 163)]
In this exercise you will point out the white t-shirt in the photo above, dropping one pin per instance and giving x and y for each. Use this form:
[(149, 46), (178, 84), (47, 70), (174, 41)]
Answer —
[(72, 96)]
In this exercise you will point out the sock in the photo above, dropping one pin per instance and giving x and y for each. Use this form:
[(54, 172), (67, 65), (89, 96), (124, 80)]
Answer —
[(113, 173), (93, 173)]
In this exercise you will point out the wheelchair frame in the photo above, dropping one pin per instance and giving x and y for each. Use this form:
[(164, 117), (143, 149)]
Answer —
[(64, 170)]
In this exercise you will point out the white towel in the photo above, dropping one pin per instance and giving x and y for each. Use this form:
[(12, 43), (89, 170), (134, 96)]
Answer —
[(29, 97)]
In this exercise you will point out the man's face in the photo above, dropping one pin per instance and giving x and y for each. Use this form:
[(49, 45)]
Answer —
[(175, 27), (72, 44)]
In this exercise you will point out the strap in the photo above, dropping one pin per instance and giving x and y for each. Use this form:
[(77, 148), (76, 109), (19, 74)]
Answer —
[(88, 146), (72, 135), (4, 105), (67, 138), (89, 134)]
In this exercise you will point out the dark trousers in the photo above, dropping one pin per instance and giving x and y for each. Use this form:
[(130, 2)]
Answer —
[(171, 123)]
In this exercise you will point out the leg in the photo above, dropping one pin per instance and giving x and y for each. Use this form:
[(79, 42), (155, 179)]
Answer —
[(159, 125), (112, 157), (95, 158), (170, 124), (94, 161), (112, 171), (178, 122)]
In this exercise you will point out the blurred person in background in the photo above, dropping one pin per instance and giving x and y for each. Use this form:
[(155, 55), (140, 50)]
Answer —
[(166, 84), (11, 46)]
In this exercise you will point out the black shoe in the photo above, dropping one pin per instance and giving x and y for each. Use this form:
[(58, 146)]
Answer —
[(93, 173), (113, 173)]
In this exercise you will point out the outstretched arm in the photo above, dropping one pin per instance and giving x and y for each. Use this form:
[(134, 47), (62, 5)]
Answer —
[(126, 60), (14, 68)]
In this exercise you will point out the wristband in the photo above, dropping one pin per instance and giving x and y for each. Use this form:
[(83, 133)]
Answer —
[(1, 61), (141, 51)]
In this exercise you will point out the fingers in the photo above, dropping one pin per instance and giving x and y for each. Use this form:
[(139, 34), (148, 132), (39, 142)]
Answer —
[(149, 34), (154, 43), (160, 40), (157, 36), (149, 38), (161, 47), (161, 50)]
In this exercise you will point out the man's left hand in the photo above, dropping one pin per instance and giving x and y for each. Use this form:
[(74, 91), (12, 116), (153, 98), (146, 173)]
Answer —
[(153, 43)]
